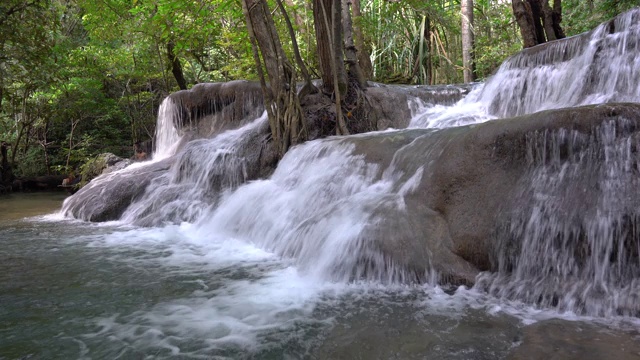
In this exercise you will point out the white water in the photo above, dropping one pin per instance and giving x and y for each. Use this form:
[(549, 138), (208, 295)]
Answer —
[(241, 293), (571, 246), (593, 68), (167, 137), (313, 210), (204, 168)]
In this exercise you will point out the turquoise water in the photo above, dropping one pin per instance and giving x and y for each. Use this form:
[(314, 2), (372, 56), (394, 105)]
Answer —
[(74, 290)]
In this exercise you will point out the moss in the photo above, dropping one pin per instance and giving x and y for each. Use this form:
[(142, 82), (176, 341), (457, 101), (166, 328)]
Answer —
[(94, 167)]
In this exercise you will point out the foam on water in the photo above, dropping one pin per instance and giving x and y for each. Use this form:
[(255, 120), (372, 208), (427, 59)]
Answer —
[(243, 297), (441, 116), (313, 210)]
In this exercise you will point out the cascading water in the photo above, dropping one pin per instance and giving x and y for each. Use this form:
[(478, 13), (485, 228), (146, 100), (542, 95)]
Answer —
[(596, 67), (203, 168), (167, 137), (323, 197), (314, 210), (574, 242)]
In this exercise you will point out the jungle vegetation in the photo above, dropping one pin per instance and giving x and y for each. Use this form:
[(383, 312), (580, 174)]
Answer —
[(83, 77)]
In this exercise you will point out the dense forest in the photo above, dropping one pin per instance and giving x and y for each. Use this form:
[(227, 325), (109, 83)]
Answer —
[(83, 77)]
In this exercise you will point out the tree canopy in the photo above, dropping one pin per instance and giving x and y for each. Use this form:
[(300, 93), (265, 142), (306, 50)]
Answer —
[(82, 77)]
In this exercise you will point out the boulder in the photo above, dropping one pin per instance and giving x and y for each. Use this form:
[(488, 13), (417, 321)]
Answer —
[(210, 108), (101, 164), (107, 197)]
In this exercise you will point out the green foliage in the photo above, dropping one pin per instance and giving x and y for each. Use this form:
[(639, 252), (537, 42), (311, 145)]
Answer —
[(84, 77), (580, 16), (92, 167), (497, 35), (416, 41), (31, 163)]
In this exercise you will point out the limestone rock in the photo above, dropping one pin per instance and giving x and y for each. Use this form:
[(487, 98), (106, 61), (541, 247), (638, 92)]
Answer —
[(472, 182), (106, 198)]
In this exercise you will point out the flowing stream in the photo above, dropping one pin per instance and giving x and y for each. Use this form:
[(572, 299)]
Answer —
[(205, 265)]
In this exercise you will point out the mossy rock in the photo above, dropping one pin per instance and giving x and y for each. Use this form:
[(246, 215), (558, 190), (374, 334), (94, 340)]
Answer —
[(98, 165)]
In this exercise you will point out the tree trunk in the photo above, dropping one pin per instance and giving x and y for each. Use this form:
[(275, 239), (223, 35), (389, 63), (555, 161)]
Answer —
[(467, 40), (547, 21), (281, 99), (74, 124), (334, 71), (2, 76), (4, 164), (296, 50), (427, 45), (536, 12), (524, 18), (338, 46), (322, 43), (176, 67), (557, 19), (364, 58), (326, 16), (350, 50), (45, 147), (538, 22)]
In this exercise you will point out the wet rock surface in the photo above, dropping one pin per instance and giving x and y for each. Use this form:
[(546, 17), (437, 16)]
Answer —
[(209, 108), (107, 197), (471, 183)]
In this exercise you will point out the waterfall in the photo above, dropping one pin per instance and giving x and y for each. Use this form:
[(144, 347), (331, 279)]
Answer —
[(315, 210), (167, 137), (568, 239), (596, 67), (574, 241), (599, 66), (202, 169)]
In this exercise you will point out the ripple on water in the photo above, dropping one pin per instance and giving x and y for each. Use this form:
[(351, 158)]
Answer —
[(77, 290)]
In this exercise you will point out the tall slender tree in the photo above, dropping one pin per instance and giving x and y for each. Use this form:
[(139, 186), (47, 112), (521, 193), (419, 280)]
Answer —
[(364, 59), (467, 40), (350, 49)]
